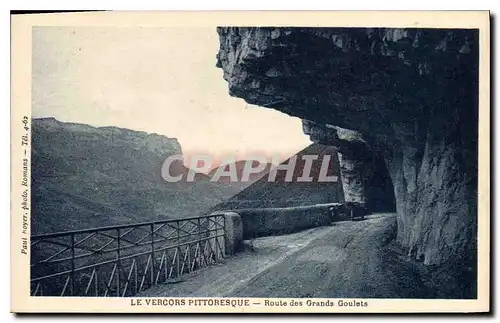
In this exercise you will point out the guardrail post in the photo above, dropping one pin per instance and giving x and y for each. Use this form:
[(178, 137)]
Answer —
[(223, 236), (152, 254), (233, 232), (72, 264), (178, 257), (199, 244), (118, 261)]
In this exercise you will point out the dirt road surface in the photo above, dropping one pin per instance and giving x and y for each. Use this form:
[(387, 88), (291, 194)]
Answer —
[(349, 259)]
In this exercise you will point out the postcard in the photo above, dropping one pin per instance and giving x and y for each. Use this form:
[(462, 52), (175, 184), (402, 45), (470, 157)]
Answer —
[(250, 162)]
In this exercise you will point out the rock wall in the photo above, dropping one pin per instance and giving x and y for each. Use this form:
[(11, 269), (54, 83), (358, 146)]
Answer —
[(412, 93)]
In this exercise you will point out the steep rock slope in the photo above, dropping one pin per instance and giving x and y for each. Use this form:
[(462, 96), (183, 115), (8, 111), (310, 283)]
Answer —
[(238, 168), (283, 192), (84, 177)]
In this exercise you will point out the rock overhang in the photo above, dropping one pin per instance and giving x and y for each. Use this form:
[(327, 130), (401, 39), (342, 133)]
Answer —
[(411, 92), (343, 75)]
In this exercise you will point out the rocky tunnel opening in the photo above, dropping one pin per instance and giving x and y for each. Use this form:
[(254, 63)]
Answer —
[(380, 191), (363, 172)]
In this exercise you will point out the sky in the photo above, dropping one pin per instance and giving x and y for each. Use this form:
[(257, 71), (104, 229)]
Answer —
[(158, 80)]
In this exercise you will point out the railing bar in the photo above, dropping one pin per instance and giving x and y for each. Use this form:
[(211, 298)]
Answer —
[(218, 253), (157, 234), (192, 231), (174, 230), (187, 232), (203, 256), (168, 236), (92, 253), (81, 248), (167, 264), (204, 253), (72, 265), (118, 261), (114, 238), (143, 278), (114, 260), (96, 284), (175, 221), (108, 285), (188, 251), (204, 250), (223, 236), (211, 253), (199, 243), (85, 239), (167, 224), (213, 242), (222, 241), (152, 255), (213, 248), (127, 232), (220, 249), (102, 252), (62, 245), (186, 243), (195, 257), (178, 250), (216, 250), (172, 264), (217, 224), (34, 243), (149, 234), (90, 282), (138, 242), (128, 278), (36, 289), (136, 277), (110, 228), (65, 286), (57, 253), (160, 267)]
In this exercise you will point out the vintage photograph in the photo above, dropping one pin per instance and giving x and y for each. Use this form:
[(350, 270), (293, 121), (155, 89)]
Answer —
[(329, 165)]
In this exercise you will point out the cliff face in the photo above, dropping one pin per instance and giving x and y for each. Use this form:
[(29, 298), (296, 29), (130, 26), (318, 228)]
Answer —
[(411, 93)]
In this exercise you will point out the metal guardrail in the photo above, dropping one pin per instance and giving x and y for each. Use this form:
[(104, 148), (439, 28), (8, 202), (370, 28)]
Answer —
[(125, 259)]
